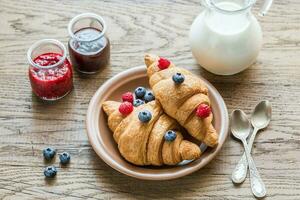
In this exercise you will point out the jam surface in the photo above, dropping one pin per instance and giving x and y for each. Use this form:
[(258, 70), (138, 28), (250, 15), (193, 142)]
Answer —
[(52, 83), (89, 56)]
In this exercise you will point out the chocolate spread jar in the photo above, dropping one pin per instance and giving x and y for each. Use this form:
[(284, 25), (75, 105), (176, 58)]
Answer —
[(89, 47)]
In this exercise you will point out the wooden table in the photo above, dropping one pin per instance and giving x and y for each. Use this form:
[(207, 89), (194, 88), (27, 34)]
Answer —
[(28, 125)]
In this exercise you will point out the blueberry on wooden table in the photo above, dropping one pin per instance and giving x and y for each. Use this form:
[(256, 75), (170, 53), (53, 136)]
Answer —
[(64, 158), (49, 153), (50, 171)]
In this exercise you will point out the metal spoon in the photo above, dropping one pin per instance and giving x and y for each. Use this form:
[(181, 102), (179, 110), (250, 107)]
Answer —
[(260, 119), (240, 128)]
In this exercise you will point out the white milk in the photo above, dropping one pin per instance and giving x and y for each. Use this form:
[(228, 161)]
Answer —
[(225, 43)]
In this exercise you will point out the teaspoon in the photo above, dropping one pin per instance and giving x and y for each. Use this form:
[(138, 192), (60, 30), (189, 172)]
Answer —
[(260, 119), (240, 128)]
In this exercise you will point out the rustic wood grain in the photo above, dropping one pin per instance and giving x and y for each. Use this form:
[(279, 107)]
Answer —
[(27, 125)]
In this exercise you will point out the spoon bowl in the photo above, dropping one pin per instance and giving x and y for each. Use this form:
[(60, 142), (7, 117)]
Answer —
[(240, 125), (261, 115)]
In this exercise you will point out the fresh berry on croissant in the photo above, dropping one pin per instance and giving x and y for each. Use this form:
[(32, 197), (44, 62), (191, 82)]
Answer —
[(183, 97), (141, 141)]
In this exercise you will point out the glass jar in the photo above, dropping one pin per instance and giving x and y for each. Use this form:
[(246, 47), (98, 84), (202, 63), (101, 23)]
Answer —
[(89, 47), (50, 72)]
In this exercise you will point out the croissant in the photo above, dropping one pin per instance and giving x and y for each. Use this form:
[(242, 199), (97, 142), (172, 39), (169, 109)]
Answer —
[(143, 143), (180, 101)]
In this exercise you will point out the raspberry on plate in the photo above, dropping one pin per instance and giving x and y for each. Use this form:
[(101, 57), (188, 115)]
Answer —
[(126, 108), (163, 63), (203, 110), (128, 96)]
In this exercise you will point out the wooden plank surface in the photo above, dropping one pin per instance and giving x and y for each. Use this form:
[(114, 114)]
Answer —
[(27, 125)]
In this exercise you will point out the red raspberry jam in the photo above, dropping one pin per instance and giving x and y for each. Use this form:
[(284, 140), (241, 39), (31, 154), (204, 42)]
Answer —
[(51, 83)]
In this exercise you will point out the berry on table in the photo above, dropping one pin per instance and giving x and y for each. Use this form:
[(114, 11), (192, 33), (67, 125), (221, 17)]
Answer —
[(126, 108), (149, 96), (138, 102), (50, 171), (140, 92), (145, 116), (128, 96), (163, 63), (64, 158), (178, 78), (203, 110), (49, 153), (170, 135)]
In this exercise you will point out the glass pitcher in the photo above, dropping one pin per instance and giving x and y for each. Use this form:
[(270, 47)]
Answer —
[(226, 37)]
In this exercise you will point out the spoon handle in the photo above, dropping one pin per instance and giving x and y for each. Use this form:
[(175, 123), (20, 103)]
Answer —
[(257, 184), (240, 171)]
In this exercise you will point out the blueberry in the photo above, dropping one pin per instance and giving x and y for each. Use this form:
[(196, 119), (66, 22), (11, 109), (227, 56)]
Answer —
[(50, 171), (138, 102), (49, 153), (64, 158), (149, 96), (178, 78), (145, 116), (170, 136), (140, 92)]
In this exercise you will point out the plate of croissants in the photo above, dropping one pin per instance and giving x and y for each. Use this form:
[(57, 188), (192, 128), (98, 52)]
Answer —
[(157, 121)]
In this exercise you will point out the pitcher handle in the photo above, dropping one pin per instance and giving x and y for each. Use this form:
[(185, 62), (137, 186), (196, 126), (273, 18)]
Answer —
[(265, 8)]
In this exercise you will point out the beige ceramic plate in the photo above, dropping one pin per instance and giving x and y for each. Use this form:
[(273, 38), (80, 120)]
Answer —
[(104, 145)]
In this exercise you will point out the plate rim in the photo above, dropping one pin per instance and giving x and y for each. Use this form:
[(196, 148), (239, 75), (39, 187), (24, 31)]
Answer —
[(102, 152)]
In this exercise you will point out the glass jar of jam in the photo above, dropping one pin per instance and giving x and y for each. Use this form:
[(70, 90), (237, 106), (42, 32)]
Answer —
[(89, 47), (50, 72)]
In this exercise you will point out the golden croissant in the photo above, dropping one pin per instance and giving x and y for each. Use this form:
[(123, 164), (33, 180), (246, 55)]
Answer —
[(143, 143), (180, 101)]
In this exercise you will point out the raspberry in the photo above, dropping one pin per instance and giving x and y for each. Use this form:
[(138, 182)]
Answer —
[(203, 111), (126, 108), (163, 63), (128, 96)]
